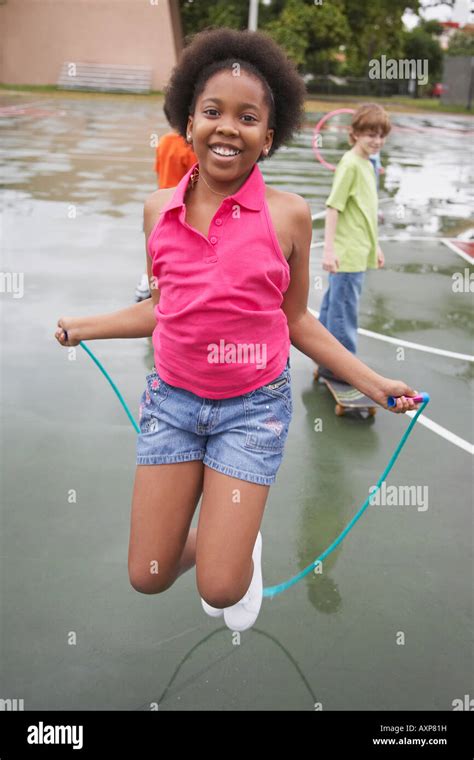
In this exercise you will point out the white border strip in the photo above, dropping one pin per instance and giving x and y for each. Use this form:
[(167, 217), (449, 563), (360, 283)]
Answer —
[(16, 108), (417, 239), (409, 344), (396, 239), (322, 214), (405, 239), (457, 250), (456, 440), (444, 433)]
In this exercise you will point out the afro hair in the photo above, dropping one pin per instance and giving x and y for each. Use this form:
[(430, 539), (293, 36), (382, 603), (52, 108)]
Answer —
[(214, 50)]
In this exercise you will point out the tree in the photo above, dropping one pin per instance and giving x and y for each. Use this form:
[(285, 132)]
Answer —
[(422, 44), (461, 43), (376, 28), (313, 31), (310, 32), (200, 14)]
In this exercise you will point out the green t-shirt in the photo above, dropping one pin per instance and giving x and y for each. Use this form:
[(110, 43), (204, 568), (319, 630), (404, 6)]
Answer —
[(354, 195)]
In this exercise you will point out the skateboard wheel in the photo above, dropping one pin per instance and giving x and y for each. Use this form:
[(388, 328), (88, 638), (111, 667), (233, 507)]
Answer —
[(339, 410), (372, 411), (315, 374)]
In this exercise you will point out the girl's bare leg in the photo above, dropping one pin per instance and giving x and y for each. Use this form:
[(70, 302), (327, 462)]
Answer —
[(229, 520), (162, 547)]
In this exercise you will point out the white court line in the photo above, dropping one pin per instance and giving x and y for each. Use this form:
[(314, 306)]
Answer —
[(444, 433), (17, 108), (395, 239), (417, 346), (415, 239), (102, 158), (322, 214), (92, 156), (430, 424), (408, 343), (457, 250)]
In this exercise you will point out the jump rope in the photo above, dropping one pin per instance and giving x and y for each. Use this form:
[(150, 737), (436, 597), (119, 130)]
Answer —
[(422, 398), (271, 591)]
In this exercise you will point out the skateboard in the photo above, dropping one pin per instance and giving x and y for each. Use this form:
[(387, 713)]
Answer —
[(347, 397)]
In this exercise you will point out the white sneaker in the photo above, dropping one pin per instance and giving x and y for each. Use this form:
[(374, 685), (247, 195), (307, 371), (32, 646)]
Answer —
[(212, 611), (243, 615), (142, 291)]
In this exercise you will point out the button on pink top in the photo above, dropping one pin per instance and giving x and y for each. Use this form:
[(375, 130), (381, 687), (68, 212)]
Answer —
[(220, 328)]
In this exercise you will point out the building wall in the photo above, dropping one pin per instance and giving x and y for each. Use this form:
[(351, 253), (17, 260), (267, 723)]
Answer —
[(38, 36), (458, 76)]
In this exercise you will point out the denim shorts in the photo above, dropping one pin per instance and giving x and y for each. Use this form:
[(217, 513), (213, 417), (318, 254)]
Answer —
[(243, 436)]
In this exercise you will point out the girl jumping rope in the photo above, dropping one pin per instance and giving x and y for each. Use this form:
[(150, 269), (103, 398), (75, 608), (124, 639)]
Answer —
[(228, 265)]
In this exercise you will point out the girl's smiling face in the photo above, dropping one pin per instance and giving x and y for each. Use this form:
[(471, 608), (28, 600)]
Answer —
[(229, 126)]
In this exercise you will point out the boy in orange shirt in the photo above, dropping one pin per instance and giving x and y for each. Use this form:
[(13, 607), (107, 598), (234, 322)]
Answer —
[(173, 158)]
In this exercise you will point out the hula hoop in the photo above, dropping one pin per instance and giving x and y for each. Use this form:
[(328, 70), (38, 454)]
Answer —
[(317, 130)]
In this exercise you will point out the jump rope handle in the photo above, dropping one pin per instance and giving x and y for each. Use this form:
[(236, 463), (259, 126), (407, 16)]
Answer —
[(420, 399)]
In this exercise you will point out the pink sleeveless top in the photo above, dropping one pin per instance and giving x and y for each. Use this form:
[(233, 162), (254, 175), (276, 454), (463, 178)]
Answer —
[(220, 329)]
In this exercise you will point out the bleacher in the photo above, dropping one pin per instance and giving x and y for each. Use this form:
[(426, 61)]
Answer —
[(104, 77)]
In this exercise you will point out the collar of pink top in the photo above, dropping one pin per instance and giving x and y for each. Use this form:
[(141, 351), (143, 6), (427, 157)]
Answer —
[(251, 195)]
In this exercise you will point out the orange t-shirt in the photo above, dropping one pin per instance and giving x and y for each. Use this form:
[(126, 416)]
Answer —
[(174, 157)]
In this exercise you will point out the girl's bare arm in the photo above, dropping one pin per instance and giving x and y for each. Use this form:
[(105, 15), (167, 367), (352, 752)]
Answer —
[(137, 321), (311, 338)]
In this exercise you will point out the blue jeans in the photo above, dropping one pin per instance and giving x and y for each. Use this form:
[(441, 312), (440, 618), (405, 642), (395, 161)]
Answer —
[(340, 307), (243, 436)]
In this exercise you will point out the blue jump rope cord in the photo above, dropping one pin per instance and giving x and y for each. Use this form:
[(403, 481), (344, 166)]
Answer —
[(272, 591), (104, 372)]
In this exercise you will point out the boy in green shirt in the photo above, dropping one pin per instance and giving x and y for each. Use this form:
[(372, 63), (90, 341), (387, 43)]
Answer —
[(350, 237)]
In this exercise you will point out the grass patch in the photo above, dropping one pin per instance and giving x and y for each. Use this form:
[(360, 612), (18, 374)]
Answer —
[(313, 104)]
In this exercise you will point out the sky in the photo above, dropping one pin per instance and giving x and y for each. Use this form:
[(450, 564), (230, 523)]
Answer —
[(441, 12)]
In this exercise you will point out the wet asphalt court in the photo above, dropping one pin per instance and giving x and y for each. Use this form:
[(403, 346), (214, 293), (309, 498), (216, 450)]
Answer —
[(388, 624)]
